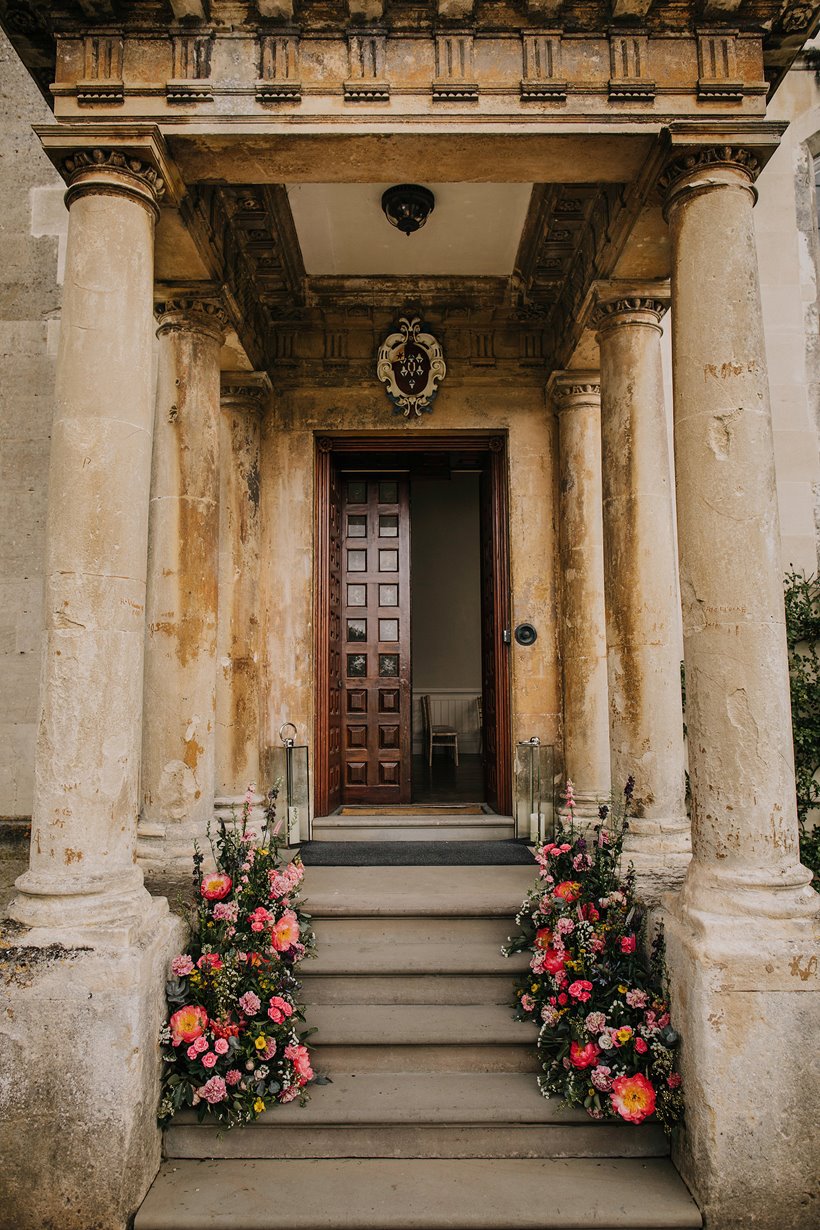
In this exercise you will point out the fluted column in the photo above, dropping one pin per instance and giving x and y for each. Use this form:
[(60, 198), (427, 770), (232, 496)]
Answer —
[(640, 572), (244, 398), (179, 742), (742, 935), (82, 873), (576, 397)]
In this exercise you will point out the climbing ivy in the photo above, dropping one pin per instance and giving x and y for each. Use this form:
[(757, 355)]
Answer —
[(802, 595)]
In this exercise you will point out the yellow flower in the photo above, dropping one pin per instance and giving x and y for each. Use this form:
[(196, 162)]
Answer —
[(624, 1033), (622, 990), (259, 1106), (535, 987), (261, 1042)]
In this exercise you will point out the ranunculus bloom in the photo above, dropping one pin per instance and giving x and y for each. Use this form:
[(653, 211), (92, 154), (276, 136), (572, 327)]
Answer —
[(215, 886), (285, 932), (553, 960), (209, 1060), (213, 1090), (567, 890), (221, 1046), (210, 960), (200, 1045), (580, 990), (628, 943), (182, 965), (279, 1009), (298, 1055), (583, 1056), (633, 1097), (188, 1023)]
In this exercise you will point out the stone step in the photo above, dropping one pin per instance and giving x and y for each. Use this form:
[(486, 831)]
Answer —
[(373, 1025), (386, 1194), (398, 988), (421, 892), (427, 1057), (415, 945), (394, 1114), (413, 828)]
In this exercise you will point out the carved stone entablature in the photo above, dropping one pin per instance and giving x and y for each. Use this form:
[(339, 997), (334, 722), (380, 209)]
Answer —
[(278, 69), (542, 80), (628, 60), (613, 312), (190, 80), (709, 157), (366, 61), (102, 81), (201, 312), (455, 79), (112, 170), (718, 78)]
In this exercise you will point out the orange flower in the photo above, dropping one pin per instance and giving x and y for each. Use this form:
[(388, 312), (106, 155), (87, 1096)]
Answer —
[(633, 1097), (567, 890), (543, 938), (285, 932), (188, 1023)]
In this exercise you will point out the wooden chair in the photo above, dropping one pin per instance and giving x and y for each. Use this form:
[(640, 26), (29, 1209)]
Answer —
[(444, 736)]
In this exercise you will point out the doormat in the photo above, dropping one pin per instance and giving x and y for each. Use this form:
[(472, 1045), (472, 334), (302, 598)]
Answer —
[(416, 809), (416, 853)]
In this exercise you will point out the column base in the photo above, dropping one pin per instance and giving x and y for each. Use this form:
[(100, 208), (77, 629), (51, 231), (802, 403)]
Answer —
[(776, 893), (660, 850), (79, 1075), (746, 1000), (97, 910)]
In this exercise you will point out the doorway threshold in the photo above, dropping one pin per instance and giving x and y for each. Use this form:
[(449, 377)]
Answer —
[(379, 825), (504, 853), (415, 809)]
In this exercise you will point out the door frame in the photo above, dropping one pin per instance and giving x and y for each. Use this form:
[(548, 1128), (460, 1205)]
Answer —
[(491, 449)]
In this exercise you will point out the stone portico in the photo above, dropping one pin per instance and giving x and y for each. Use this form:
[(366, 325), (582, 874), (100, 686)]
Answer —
[(199, 364)]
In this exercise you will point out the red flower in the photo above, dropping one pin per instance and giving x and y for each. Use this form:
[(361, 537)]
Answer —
[(583, 1056), (580, 989), (543, 937), (633, 1097), (567, 890), (641, 1046), (215, 886), (210, 960), (225, 1029), (589, 912), (628, 943), (562, 999), (553, 961)]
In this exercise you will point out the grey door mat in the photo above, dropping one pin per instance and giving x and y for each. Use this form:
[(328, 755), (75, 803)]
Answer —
[(416, 853)]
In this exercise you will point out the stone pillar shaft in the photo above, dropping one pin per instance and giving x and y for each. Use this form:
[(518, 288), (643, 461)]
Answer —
[(180, 668), (82, 871), (577, 399), (244, 396), (640, 570)]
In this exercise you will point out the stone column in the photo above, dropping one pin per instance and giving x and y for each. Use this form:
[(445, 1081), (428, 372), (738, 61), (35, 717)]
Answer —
[(82, 873), (576, 397), (640, 571), (742, 934), (179, 740), (244, 398)]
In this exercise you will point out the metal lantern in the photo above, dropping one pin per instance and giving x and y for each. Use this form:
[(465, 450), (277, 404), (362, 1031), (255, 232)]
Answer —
[(534, 789), (291, 765)]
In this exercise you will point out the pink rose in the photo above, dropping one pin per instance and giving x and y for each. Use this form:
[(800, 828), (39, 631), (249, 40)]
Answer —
[(233, 1077), (192, 1052), (209, 1060), (201, 1045), (181, 966), (221, 1046), (260, 918), (213, 1090), (279, 1010), (580, 990)]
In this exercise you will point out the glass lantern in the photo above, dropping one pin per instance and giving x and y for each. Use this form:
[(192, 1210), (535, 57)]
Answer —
[(534, 790), (291, 766)]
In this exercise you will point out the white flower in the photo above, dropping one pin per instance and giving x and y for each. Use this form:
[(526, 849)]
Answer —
[(605, 1042)]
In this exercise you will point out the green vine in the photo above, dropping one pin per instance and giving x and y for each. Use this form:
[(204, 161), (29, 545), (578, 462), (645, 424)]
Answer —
[(802, 596)]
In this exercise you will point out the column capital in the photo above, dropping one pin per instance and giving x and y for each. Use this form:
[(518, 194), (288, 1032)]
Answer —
[(627, 303), (113, 159), (568, 390), (723, 156), (198, 308), (246, 392)]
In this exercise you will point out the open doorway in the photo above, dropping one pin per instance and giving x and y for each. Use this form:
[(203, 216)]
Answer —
[(445, 597), (376, 672)]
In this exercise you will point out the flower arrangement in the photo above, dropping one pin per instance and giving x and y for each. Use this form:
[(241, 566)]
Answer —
[(232, 1045), (605, 1041)]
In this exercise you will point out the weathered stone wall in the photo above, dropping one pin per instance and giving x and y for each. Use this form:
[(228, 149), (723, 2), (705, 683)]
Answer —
[(32, 214)]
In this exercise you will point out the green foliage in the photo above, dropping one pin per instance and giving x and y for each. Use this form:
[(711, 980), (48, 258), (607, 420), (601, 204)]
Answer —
[(802, 597)]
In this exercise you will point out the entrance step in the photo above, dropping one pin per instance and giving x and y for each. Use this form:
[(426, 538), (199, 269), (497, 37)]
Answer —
[(394, 1114), (360, 946), (422, 892), (419, 1194), (420, 827), (398, 988)]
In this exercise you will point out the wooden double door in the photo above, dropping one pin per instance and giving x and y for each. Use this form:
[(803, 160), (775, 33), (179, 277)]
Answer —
[(363, 612)]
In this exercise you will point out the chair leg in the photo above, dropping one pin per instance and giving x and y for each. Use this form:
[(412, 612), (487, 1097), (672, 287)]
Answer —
[(430, 751), (455, 748)]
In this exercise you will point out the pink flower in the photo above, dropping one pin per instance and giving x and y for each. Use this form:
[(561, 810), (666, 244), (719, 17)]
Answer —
[(221, 1046), (200, 1045), (209, 1060), (641, 1046), (213, 1090), (601, 1078), (580, 989), (269, 1051), (181, 966), (565, 926), (567, 890), (250, 1003), (210, 960), (562, 999), (633, 1097), (279, 1009), (226, 911), (527, 1003), (279, 886), (583, 1056), (549, 1015), (673, 1081), (215, 886), (259, 918), (636, 998), (595, 1022), (188, 1023), (287, 1095), (233, 1076), (582, 862), (299, 1057), (192, 1052), (628, 943), (294, 872), (285, 932), (663, 1020)]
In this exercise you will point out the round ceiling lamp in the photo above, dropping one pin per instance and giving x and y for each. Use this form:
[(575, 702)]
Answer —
[(408, 206)]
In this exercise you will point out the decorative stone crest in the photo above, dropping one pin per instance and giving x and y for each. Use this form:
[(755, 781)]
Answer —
[(112, 170), (411, 365), (731, 156), (608, 312), (204, 313)]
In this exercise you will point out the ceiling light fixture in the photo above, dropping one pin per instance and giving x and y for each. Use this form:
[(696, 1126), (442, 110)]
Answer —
[(408, 206)]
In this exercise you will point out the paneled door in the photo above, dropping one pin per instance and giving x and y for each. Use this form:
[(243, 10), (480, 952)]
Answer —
[(375, 629)]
